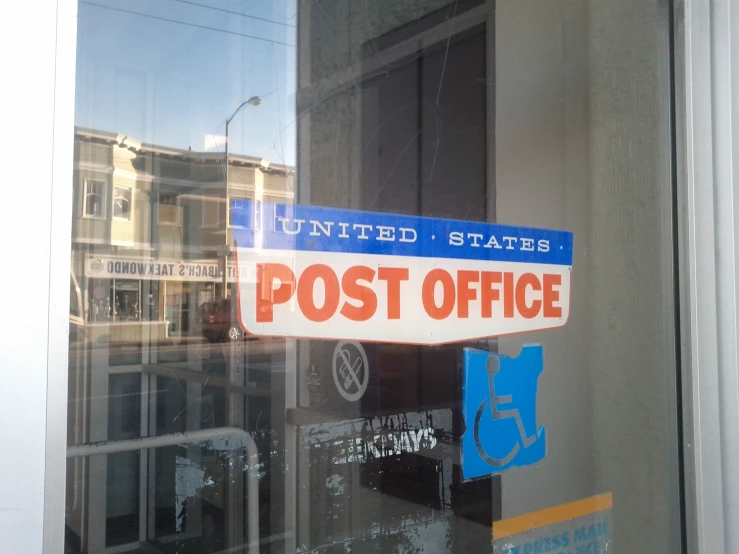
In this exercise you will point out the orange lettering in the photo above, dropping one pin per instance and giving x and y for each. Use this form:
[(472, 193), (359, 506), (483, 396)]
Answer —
[(508, 294), (355, 291), (488, 293), (551, 296), (526, 280), (427, 294), (393, 276), (306, 284), (464, 292), (267, 295)]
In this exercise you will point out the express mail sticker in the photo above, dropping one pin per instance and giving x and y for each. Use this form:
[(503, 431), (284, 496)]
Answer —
[(307, 271)]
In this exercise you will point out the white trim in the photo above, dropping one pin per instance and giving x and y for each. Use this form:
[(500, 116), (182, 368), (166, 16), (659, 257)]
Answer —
[(39, 112), (707, 120), (90, 166), (133, 175), (106, 242), (62, 201), (167, 152), (124, 243), (241, 187), (286, 195), (169, 182), (697, 243), (725, 80)]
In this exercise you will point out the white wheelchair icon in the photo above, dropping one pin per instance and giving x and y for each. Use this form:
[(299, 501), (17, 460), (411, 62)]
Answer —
[(493, 366)]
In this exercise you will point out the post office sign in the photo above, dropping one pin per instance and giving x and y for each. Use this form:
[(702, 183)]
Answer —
[(350, 275)]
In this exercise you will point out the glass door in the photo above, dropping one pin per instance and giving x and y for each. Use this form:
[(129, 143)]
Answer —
[(439, 316)]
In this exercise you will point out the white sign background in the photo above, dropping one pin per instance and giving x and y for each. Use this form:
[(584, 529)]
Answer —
[(415, 325)]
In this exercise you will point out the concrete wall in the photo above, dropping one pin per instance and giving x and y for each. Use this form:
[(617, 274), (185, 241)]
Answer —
[(542, 170), (631, 313)]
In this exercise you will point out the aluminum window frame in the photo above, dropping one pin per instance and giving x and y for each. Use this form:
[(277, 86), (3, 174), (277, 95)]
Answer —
[(62, 202), (707, 223)]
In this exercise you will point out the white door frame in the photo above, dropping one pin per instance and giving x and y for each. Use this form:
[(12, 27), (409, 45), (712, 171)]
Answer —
[(707, 128), (35, 221)]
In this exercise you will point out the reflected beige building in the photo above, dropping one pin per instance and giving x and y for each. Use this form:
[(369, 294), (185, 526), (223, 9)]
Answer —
[(137, 203)]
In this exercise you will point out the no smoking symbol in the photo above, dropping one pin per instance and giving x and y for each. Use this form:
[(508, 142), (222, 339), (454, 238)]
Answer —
[(351, 370)]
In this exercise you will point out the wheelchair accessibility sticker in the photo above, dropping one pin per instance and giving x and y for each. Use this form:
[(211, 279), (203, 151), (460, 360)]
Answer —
[(499, 409)]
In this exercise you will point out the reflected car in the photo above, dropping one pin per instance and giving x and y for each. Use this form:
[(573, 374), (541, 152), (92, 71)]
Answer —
[(220, 321)]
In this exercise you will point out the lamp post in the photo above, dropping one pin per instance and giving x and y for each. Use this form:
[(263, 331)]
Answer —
[(253, 101)]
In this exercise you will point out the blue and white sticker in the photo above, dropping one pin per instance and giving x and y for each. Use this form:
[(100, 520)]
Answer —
[(499, 409), (316, 272)]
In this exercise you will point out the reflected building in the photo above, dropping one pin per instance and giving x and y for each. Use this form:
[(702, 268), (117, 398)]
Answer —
[(150, 230), (394, 114), (151, 353)]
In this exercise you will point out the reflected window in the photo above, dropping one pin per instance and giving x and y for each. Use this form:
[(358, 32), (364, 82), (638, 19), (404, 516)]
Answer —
[(240, 219), (94, 199), (122, 203), (168, 208), (211, 211), (126, 306)]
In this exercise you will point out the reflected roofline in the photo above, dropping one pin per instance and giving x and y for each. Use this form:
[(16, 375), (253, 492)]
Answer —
[(137, 146)]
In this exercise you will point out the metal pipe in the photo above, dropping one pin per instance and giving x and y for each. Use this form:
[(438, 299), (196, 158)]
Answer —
[(253, 101), (240, 438), (227, 245)]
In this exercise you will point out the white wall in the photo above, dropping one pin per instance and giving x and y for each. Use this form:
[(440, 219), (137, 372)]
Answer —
[(36, 110)]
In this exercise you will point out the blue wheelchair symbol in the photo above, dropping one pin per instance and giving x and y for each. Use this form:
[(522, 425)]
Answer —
[(499, 408)]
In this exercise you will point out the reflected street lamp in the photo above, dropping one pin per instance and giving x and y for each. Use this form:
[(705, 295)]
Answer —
[(253, 101)]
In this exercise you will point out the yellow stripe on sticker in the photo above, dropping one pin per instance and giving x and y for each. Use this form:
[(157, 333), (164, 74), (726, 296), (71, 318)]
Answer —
[(549, 516)]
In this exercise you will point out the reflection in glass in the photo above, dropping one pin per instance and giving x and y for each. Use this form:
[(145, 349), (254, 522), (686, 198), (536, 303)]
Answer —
[(190, 434)]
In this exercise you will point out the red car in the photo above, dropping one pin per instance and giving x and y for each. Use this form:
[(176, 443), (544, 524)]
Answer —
[(220, 321)]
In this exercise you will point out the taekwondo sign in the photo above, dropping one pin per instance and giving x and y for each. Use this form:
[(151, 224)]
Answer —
[(350, 275)]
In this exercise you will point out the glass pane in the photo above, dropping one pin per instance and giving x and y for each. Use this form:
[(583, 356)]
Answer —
[(389, 276), (124, 422), (169, 212), (94, 198), (122, 203)]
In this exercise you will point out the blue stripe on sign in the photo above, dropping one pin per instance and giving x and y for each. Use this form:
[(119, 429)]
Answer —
[(312, 228)]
